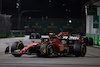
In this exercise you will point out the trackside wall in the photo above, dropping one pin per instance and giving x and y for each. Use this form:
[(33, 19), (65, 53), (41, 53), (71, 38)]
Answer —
[(96, 38), (90, 31)]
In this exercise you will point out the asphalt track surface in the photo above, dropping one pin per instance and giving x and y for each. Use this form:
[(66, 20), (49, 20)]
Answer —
[(92, 58)]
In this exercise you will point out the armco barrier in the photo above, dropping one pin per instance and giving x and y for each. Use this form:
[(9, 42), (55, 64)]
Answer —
[(3, 34), (96, 38), (16, 34), (12, 34)]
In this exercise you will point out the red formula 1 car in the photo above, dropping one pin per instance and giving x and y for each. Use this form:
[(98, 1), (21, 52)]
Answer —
[(49, 47)]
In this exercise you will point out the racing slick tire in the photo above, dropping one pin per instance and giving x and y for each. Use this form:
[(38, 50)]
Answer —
[(90, 41), (47, 50), (86, 40), (38, 36), (16, 46), (31, 37), (79, 49)]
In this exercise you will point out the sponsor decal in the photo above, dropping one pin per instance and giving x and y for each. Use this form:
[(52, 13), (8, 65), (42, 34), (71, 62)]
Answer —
[(70, 38), (44, 50), (73, 38), (65, 37)]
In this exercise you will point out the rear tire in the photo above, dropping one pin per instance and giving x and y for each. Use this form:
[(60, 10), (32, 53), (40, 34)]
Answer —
[(90, 41), (86, 40), (79, 49), (16, 46)]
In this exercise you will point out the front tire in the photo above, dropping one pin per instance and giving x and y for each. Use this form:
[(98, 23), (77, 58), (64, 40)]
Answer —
[(16, 46), (47, 50), (50, 50)]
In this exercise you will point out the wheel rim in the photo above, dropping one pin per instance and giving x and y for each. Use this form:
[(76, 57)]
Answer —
[(83, 50), (51, 50)]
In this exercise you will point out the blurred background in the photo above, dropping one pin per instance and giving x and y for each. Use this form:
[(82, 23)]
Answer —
[(44, 16), (22, 17)]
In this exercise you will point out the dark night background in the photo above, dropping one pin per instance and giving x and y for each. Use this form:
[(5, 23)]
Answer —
[(53, 9)]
